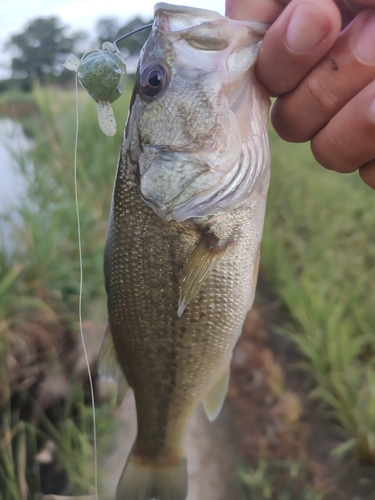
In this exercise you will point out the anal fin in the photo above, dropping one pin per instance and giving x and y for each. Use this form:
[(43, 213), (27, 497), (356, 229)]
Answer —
[(109, 367), (203, 260), (213, 402)]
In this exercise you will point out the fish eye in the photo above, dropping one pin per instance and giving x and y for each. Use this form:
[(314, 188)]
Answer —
[(153, 79)]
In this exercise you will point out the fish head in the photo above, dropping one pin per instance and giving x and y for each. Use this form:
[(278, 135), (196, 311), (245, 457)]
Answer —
[(197, 128)]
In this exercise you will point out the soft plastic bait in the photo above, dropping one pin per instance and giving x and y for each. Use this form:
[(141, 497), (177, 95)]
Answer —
[(103, 74)]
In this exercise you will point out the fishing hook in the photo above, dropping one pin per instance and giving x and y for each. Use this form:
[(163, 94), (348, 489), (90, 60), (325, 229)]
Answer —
[(131, 33)]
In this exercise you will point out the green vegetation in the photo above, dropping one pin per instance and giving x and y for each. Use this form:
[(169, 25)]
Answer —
[(47, 241), (281, 479), (110, 29), (319, 254), (39, 278), (62, 453), (39, 50), (16, 97)]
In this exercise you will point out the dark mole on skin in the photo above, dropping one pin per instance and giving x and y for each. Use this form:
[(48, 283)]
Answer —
[(334, 64)]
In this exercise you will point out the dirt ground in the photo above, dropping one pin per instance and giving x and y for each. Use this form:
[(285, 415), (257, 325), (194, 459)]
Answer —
[(277, 429), (260, 418), (209, 455), (270, 442), (268, 427)]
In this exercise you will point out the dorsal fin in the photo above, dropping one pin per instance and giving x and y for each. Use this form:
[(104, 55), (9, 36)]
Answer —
[(203, 260), (109, 367)]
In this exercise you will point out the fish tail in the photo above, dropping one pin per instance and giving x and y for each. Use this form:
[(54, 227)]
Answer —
[(152, 481)]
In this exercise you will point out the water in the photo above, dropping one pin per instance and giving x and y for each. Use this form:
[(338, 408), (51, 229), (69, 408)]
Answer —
[(13, 185)]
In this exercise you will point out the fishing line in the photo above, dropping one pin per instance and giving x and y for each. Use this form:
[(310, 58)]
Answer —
[(112, 65), (131, 33), (80, 294)]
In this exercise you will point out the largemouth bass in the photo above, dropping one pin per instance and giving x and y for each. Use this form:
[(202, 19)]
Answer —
[(182, 251)]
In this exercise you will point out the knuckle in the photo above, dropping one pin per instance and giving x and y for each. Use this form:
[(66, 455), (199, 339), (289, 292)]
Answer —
[(334, 153), (319, 93)]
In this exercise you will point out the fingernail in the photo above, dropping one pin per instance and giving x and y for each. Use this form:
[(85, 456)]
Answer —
[(365, 45), (305, 29)]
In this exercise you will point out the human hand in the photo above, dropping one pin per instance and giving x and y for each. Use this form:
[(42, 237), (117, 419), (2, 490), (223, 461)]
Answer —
[(324, 79)]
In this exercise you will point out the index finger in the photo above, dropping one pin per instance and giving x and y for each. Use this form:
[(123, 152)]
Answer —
[(266, 11), (302, 32)]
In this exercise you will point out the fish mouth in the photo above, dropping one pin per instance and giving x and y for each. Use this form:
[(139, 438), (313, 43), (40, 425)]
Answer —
[(179, 17), (201, 29), (175, 18)]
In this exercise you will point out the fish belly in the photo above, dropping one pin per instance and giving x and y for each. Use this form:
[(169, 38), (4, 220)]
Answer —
[(171, 362)]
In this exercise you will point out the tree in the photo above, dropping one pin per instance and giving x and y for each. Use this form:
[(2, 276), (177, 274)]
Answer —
[(109, 30), (41, 49)]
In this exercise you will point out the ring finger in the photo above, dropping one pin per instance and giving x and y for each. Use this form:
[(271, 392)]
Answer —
[(347, 142)]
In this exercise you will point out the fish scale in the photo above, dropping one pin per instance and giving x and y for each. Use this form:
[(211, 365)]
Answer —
[(183, 241), (147, 259)]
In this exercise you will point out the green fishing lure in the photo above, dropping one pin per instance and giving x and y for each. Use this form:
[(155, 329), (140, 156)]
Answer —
[(103, 74)]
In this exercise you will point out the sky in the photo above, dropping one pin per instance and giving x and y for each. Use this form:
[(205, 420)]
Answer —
[(78, 14)]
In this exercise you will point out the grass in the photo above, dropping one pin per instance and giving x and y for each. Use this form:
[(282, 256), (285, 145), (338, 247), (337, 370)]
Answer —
[(40, 274), (319, 254), (15, 103), (16, 97), (68, 448), (277, 479), (47, 241)]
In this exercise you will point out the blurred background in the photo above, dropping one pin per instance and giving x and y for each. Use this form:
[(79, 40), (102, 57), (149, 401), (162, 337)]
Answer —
[(299, 420)]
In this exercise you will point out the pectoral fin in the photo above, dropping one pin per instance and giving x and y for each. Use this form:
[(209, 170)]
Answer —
[(213, 402), (200, 265), (109, 366)]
